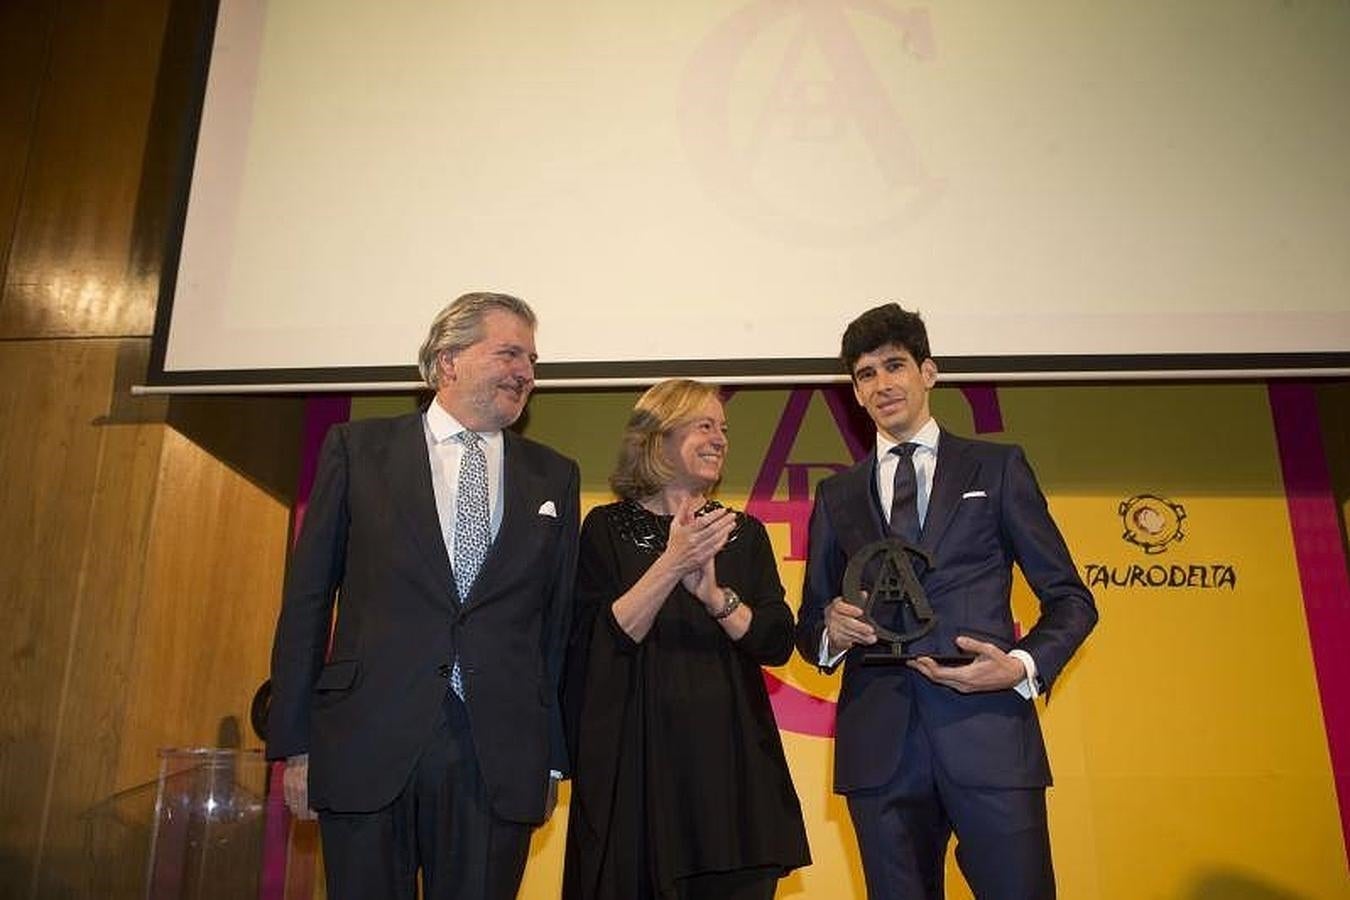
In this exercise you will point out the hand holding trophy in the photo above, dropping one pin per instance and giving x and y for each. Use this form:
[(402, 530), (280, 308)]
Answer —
[(880, 575)]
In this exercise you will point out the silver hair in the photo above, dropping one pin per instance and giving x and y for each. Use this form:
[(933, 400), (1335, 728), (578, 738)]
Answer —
[(460, 325)]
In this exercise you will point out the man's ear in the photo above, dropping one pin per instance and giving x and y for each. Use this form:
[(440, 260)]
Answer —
[(928, 369), (445, 365)]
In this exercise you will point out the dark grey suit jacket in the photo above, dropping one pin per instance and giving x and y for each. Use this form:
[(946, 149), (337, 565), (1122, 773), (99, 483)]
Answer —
[(371, 542), (986, 513)]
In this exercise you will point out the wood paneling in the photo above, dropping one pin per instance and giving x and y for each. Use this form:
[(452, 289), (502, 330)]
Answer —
[(93, 717), (232, 429), (139, 581), (70, 270), (213, 587), (140, 558), (50, 457), (25, 32)]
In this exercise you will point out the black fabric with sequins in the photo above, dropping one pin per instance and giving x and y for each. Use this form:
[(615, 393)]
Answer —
[(649, 532)]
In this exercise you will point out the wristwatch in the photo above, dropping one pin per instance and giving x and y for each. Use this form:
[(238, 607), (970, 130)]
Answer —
[(733, 600)]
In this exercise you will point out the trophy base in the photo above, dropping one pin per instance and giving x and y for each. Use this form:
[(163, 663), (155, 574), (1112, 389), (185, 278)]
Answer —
[(896, 655)]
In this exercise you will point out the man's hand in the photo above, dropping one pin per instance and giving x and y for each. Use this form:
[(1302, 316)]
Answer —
[(991, 670), (844, 626), (295, 783)]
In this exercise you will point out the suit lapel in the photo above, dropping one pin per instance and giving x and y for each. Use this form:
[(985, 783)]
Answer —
[(858, 490), (409, 475), (517, 489), (956, 470)]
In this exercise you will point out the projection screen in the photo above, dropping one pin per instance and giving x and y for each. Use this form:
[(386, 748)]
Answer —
[(1063, 189)]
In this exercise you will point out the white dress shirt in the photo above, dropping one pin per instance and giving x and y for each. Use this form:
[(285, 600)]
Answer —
[(445, 450), (924, 460)]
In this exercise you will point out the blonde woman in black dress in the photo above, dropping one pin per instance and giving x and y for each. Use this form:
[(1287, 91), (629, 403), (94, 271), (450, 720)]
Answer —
[(680, 787)]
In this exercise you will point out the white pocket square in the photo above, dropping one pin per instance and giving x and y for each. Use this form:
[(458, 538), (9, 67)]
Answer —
[(968, 494), (548, 509)]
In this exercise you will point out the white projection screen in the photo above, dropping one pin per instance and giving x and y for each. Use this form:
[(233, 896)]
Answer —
[(1115, 189)]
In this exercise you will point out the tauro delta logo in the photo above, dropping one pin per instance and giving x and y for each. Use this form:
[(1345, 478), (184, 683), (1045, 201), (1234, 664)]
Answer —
[(1154, 524)]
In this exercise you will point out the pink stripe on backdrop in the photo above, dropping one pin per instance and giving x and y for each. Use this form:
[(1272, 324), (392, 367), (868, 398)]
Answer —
[(276, 829), (1320, 552), (984, 407), (321, 413), (797, 711)]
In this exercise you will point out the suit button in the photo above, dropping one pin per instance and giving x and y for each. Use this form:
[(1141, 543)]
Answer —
[(443, 670)]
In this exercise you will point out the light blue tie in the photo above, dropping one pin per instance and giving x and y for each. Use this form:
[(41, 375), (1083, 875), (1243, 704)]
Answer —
[(473, 527)]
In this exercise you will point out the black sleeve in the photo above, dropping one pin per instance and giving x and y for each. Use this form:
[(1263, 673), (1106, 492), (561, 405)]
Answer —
[(825, 564), (594, 633), (1068, 612), (315, 574), (769, 639), (559, 619)]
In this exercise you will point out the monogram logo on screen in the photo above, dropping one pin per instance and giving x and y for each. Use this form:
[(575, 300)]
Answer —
[(793, 115), (1151, 522)]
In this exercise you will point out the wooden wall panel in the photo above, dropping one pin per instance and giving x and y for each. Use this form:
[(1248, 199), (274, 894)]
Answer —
[(140, 564), (213, 588), (212, 585), (70, 269), (86, 850), (140, 577), (55, 461), (25, 33)]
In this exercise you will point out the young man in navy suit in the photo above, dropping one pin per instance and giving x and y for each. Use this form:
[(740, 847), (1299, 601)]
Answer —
[(925, 749), (428, 735)]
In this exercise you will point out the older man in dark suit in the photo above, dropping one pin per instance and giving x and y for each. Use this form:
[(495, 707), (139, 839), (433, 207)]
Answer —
[(927, 749), (428, 735)]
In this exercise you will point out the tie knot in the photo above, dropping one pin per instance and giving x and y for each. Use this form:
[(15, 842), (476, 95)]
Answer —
[(905, 450), (470, 439)]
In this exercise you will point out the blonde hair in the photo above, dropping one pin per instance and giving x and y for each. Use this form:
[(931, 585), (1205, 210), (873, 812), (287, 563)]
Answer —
[(642, 468)]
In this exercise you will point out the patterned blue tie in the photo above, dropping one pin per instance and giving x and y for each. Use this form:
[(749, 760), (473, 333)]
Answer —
[(473, 527)]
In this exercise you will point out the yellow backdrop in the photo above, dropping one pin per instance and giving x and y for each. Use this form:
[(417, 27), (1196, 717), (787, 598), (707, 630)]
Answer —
[(1186, 738)]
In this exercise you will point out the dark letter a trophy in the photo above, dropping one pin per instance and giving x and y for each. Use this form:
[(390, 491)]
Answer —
[(894, 584)]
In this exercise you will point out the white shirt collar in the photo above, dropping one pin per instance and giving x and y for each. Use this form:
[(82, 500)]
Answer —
[(926, 437), (444, 426)]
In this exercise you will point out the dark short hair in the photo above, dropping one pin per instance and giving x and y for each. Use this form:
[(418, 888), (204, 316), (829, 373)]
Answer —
[(882, 325)]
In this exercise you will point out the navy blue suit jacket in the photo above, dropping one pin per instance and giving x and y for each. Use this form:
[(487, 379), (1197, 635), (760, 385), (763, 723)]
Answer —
[(365, 710), (985, 513)]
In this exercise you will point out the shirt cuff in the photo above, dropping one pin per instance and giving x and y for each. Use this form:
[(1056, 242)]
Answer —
[(1027, 686), (824, 659)]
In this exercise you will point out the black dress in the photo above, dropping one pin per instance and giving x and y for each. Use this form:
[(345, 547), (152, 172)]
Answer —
[(677, 765)]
